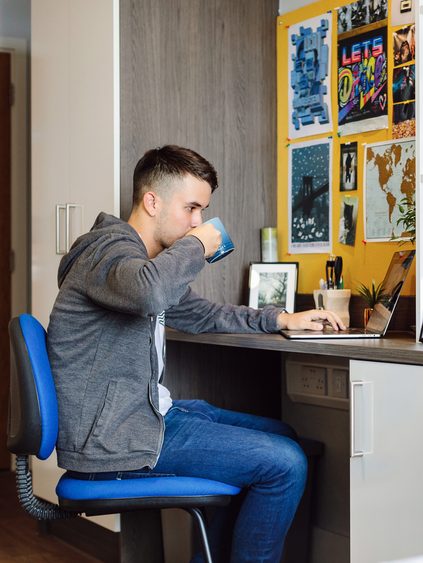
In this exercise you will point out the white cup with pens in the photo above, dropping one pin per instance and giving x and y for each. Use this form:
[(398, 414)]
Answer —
[(332, 295)]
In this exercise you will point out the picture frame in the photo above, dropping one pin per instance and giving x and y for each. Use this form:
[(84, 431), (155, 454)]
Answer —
[(273, 283)]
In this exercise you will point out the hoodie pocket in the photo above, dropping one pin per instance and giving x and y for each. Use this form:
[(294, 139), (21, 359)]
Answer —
[(106, 410)]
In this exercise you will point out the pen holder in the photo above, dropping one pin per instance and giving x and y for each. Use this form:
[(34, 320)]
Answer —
[(335, 300)]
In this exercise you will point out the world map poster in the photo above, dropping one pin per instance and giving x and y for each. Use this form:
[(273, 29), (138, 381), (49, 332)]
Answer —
[(390, 176), (362, 82)]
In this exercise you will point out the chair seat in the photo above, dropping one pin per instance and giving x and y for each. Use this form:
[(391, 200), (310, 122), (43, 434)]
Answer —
[(100, 497)]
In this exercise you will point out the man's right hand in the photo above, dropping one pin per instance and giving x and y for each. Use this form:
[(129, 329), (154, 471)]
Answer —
[(209, 236)]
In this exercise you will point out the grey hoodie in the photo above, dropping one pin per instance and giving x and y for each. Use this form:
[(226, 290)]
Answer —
[(101, 341)]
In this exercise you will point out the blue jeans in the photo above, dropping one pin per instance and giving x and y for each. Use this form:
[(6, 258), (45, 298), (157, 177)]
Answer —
[(258, 454)]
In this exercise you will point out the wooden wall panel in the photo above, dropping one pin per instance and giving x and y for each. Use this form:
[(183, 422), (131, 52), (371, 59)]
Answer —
[(201, 73)]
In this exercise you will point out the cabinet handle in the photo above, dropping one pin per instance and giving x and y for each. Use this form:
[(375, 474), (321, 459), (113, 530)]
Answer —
[(70, 206), (364, 421), (59, 207), (353, 452)]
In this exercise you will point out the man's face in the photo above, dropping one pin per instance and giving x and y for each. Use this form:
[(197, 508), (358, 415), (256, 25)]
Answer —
[(181, 210)]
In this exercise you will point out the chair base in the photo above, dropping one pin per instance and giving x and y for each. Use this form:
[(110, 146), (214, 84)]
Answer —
[(110, 506)]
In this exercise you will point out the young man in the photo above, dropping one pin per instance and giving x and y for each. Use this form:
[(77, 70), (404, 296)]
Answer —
[(119, 284)]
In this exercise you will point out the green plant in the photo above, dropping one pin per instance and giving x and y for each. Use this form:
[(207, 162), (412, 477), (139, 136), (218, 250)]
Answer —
[(407, 208), (373, 294)]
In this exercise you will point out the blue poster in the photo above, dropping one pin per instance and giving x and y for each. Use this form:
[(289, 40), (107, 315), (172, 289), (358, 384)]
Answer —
[(310, 197), (309, 96)]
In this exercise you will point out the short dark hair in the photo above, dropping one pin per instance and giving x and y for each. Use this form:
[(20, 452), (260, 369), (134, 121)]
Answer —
[(170, 161)]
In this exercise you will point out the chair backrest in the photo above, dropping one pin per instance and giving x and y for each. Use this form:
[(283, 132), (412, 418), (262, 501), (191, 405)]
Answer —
[(33, 414)]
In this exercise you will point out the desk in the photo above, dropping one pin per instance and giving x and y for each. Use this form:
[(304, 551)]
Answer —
[(385, 481)]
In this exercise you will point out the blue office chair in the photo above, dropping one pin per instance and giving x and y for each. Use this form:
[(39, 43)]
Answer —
[(33, 428)]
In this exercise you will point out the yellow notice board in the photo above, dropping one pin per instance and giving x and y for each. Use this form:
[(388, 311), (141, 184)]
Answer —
[(365, 260)]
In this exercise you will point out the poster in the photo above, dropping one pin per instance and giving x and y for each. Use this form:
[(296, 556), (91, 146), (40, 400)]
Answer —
[(402, 12), (348, 220), (362, 82), (404, 120), (404, 84), (404, 41), (361, 13), (390, 175), (309, 197), (309, 77), (348, 167)]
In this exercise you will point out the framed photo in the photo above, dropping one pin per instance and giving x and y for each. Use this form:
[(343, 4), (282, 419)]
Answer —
[(273, 283)]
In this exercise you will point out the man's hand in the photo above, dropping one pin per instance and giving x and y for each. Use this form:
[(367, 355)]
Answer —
[(310, 320), (209, 236)]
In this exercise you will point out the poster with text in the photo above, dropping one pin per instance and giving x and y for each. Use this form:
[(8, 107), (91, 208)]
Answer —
[(362, 82), (361, 13), (309, 77), (390, 175), (348, 220), (309, 197), (402, 12), (348, 167)]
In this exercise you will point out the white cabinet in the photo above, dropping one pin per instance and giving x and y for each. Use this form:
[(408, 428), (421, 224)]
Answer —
[(75, 129), (75, 143), (386, 464)]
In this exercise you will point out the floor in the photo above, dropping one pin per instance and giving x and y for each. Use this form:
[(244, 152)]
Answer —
[(20, 540)]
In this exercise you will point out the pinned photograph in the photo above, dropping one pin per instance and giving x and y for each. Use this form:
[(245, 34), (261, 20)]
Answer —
[(309, 197), (273, 283), (404, 84), (402, 12), (348, 167), (348, 220), (361, 13), (404, 120), (404, 45)]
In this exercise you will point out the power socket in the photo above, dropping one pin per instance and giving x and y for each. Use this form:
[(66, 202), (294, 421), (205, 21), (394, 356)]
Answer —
[(312, 380), (338, 383), (318, 381)]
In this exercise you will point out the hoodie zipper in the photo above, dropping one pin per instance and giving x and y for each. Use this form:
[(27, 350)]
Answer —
[(160, 417)]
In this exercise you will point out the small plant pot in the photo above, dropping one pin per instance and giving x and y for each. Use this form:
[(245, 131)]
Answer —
[(366, 314)]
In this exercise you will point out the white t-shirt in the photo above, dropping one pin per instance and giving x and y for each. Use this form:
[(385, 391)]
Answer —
[(165, 400)]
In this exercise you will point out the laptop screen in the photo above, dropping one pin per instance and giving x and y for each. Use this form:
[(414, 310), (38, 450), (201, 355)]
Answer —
[(392, 285)]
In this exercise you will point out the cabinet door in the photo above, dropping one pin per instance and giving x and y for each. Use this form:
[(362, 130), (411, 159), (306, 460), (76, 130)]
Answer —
[(386, 464), (93, 82), (75, 148), (75, 130)]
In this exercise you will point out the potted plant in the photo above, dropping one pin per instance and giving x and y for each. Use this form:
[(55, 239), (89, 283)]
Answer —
[(407, 208), (371, 295)]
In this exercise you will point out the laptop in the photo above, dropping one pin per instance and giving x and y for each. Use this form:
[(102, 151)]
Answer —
[(382, 313)]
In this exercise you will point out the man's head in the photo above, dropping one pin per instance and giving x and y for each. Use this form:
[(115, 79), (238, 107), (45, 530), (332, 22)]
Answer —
[(158, 168), (172, 187)]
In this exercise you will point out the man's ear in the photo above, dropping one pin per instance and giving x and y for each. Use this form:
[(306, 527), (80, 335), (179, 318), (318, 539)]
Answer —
[(151, 203)]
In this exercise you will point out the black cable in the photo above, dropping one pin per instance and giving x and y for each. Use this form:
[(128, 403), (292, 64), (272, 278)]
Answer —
[(35, 507)]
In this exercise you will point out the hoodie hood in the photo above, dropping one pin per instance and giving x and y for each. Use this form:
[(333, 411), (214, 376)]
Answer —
[(105, 225)]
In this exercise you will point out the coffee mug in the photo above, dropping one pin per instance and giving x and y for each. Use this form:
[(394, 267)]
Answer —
[(226, 246)]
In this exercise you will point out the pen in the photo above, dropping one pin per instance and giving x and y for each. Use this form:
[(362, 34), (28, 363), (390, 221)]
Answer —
[(337, 268)]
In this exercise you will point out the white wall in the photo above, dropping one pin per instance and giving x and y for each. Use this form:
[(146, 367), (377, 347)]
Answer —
[(290, 5), (15, 18)]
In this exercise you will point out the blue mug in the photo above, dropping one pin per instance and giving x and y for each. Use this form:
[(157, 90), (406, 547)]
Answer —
[(226, 246)]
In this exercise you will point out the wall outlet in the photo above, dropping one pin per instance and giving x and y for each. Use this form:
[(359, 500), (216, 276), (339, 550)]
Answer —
[(318, 381), (338, 383), (312, 380)]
